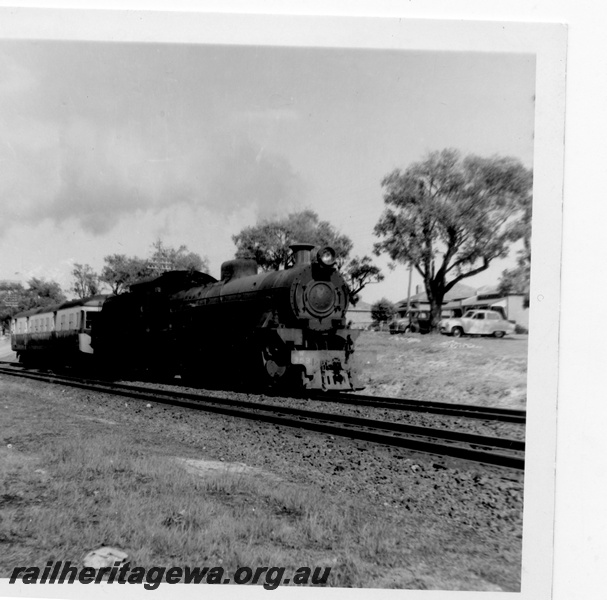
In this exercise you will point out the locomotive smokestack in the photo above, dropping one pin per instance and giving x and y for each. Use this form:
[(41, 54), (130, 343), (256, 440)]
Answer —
[(301, 253)]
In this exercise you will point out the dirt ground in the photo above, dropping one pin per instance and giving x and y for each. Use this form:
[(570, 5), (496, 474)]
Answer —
[(5, 349), (470, 370)]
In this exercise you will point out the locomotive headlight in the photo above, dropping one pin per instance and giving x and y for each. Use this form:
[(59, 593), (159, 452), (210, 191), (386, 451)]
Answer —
[(326, 256)]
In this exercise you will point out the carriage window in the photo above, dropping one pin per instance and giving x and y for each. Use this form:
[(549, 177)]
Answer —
[(479, 316), (90, 318), (493, 316)]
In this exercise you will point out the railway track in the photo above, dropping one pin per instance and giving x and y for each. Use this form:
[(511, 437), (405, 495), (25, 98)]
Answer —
[(469, 411), (477, 448)]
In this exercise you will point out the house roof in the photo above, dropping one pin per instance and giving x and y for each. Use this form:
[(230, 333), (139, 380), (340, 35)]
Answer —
[(458, 292), (360, 307)]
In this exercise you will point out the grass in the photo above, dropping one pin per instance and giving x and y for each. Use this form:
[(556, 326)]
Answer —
[(486, 371), (79, 492)]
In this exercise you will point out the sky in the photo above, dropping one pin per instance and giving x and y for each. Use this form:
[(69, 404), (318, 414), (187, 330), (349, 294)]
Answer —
[(107, 147)]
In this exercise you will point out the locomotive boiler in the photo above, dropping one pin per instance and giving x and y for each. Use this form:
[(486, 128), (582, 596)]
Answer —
[(285, 326)]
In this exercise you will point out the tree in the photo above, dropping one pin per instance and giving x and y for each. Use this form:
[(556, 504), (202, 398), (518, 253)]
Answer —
[(517, 280), (268, 242), (86, 281), (41, 293), (120, 271), (382, 311), (165, 258), (450, 217), (11, 294), (360, 272)]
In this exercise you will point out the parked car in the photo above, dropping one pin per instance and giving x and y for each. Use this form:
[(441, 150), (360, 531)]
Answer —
[(477, 322), (415, 321)]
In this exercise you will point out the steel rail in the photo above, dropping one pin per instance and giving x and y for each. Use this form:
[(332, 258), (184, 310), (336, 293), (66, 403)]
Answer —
[(470, 411), (382, 432)]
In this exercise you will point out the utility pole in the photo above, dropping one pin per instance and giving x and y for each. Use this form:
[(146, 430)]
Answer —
[(409, 289)]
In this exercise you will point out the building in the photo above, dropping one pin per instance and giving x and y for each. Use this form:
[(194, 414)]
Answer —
[(513, 304), (454, 296), (10, 293), (360, 315), (466, 298)]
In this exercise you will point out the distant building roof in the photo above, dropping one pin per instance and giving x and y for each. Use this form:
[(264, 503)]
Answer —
[(360, 307), (488, 291), (458, 292)]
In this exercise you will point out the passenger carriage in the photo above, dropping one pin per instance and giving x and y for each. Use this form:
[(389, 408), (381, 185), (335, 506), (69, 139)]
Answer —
[(59, 333)]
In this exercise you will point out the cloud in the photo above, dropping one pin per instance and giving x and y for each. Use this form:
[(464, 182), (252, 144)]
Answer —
[(95, 176), (90, 142), (270, 115), (15, 79), (82, 172), (250, 177)]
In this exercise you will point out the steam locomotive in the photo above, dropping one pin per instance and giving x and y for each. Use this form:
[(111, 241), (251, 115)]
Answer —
[(279, 327)]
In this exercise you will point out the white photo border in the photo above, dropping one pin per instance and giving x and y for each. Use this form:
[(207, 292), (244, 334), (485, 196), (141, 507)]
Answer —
[(548, 42)]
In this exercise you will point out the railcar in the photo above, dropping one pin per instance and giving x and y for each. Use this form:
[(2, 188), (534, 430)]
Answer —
[(56, 334)]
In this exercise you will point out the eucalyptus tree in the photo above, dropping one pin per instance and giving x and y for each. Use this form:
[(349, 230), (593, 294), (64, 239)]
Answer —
[(449, 217)]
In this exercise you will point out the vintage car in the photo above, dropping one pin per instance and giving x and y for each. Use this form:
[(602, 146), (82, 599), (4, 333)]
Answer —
[(418, 320), (415, 321), (477, 322)]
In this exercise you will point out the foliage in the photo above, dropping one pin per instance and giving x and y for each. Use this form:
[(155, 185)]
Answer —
[(382, 311), (450, 217), (517, 280), (166, 258), (86, 281), (10, 293), (268, 242), (11, 286), (120, 271), (360, 272), (41, 293)]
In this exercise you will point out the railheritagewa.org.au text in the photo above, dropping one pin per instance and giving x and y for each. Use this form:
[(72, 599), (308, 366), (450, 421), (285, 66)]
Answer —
[(269, 577)]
